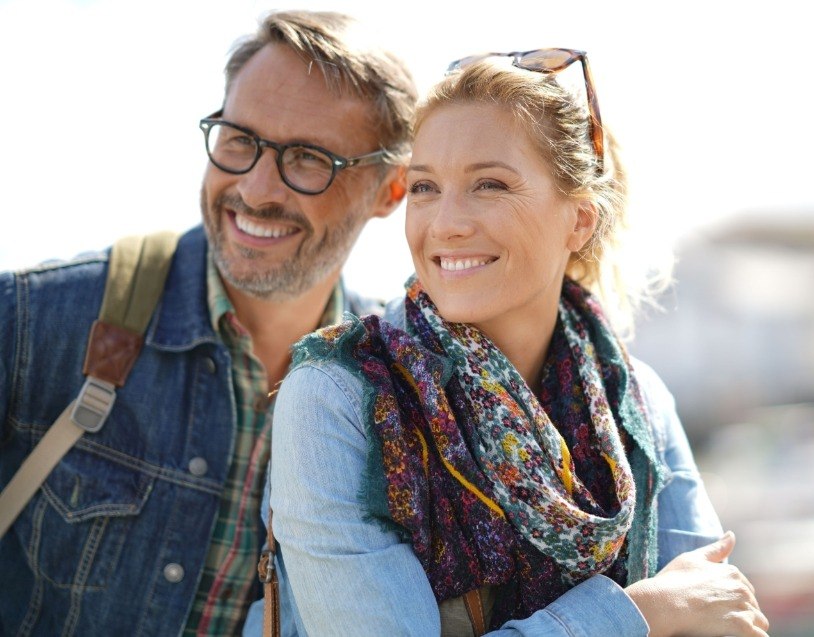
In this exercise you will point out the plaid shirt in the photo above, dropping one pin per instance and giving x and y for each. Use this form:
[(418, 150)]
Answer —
[(228, 583)]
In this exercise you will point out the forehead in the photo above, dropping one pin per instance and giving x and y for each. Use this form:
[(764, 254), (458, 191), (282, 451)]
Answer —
[(472, 132), (283, 97)]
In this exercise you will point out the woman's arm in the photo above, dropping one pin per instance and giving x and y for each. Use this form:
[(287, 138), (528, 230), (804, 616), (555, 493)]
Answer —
[(348, 575), (695, 592), (687, 519)]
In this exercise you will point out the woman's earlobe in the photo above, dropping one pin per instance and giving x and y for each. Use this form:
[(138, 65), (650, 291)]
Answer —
[(584, 227)]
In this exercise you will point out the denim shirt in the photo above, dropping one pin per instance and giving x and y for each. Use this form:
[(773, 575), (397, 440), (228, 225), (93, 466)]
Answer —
[(115, 540), (340, 574)]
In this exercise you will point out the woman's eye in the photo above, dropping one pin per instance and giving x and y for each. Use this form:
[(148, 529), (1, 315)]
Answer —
[(490, 184)]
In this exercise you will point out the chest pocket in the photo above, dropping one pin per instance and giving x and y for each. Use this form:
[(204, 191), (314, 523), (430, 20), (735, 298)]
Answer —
[(74, 529)]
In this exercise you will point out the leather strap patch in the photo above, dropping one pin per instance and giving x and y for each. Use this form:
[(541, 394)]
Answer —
[(111, 352)]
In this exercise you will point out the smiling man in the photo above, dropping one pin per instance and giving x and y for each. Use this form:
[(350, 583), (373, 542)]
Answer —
[(151, 526)]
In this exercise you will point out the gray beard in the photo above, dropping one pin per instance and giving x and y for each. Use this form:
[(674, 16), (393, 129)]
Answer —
[(309, 266)]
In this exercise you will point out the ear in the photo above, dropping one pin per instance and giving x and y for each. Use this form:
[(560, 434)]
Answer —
[(584, 226), (391, 192)]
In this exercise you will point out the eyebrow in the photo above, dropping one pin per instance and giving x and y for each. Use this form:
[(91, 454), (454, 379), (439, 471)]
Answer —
[(425, 168)]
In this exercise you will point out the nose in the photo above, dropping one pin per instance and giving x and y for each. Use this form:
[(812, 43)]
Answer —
[(452, 219), (262, 185)]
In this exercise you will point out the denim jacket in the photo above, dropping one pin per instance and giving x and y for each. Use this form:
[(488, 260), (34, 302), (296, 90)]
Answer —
[(341, 574), (115, 540)]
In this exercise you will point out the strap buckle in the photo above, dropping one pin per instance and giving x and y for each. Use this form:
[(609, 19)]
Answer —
[(93, 404), (265, 566)]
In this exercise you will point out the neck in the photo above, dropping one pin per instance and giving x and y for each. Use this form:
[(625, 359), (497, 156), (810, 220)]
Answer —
[(524, 339), (527, 350), (275, 326)]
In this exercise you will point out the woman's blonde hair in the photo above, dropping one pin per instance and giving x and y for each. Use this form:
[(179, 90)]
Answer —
[(559, 126)]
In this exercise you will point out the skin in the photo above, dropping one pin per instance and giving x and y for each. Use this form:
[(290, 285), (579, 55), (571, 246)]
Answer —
[(490, 236), (482, 200), (697, 595), (280, 284)]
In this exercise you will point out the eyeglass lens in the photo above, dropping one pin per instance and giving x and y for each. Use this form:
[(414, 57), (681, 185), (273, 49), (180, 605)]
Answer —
[(302, 167)]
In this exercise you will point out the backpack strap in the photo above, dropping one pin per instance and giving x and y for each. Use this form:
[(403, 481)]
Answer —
[(136, 275)]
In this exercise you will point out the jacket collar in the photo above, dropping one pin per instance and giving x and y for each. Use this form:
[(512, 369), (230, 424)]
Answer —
[(182, 318)]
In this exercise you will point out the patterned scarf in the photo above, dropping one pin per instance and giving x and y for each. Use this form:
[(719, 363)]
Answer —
[(488, 482)]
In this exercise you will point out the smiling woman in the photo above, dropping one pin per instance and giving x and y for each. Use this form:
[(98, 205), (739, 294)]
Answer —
[(489, 457)]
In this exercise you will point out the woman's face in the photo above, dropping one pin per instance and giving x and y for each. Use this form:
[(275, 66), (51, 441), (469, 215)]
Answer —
[(490, 235)]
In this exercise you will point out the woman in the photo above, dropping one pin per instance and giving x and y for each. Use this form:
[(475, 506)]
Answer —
[(491, 449)]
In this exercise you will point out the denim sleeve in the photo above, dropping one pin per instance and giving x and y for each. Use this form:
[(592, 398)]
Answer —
[(687, 519), (347, 574), (8, 305)]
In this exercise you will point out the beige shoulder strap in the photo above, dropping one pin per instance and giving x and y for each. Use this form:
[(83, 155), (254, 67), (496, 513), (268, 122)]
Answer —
[(136, 275)]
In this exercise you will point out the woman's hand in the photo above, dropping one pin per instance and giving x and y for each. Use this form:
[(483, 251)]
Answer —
[(696, 595)]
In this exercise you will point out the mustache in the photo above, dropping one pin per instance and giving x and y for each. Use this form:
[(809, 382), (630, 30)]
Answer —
[(271, 212)]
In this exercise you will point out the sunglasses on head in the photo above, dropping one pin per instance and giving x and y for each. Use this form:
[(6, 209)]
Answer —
[(550, 61)]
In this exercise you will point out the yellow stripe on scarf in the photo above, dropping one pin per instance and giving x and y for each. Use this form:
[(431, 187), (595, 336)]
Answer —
[(425, 453), (567, 476)]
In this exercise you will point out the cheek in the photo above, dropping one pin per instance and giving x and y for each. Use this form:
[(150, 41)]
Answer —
[(414, 231), (215, 181)]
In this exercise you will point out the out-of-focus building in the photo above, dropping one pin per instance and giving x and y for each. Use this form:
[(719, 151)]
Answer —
[(735, 344)]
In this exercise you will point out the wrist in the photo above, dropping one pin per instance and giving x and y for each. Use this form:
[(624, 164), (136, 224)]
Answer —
[(650, 601)]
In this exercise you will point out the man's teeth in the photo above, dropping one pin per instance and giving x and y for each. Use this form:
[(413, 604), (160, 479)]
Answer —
[(256, 230), (462, 264)]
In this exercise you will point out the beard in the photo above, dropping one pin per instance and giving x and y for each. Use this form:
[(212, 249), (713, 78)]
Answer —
[(312, 262)]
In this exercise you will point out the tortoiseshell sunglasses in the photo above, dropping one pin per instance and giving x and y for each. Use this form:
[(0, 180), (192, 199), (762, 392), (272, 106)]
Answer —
[(551, 61)]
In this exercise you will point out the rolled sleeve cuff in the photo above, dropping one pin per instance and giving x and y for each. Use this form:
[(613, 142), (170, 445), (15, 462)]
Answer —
[(598, 607)]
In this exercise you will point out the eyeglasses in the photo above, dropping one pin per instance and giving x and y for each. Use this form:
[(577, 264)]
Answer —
[(551, 61), (306, 168)]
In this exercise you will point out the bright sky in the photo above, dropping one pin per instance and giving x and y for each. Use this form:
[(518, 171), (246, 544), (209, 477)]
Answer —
[(101, 101)]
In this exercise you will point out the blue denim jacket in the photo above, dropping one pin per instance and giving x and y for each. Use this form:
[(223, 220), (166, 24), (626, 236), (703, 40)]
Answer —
[(342, 575), (115, 540)]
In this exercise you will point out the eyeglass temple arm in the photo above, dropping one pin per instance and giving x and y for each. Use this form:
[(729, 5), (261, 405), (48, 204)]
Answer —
[(597, 135)]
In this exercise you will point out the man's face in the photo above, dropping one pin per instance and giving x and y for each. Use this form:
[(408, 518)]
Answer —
[(268, 240)]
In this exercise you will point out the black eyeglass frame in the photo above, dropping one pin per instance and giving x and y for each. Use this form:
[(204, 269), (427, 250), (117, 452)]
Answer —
[(337, 161), (572, 55)]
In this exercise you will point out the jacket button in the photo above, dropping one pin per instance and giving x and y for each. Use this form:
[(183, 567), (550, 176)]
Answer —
[(198, 467), (209, 365), (173, 573)]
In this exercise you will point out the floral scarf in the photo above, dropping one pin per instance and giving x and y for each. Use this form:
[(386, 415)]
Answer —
[(490, 483)]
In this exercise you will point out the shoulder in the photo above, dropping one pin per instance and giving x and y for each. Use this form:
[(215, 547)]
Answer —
[(360, 305), (318, 386), (394, 313), (654, 392), (660, 405), (57, 286)]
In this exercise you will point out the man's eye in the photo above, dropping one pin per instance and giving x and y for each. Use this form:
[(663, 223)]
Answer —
[(307, 156), (421, 186)]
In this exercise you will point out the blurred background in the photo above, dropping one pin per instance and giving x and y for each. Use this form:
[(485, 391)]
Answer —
[(711, 102)]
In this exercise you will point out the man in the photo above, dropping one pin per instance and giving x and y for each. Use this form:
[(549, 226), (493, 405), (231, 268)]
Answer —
[(151, 526)]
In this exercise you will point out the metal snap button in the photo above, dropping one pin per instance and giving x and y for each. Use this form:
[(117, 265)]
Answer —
[(173, 572), (198, 467)]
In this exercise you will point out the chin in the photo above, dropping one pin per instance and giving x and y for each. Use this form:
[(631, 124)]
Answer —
[(460, 312)]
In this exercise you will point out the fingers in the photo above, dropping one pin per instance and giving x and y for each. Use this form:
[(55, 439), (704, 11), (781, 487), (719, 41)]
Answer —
[(749, 623), (719, 550)]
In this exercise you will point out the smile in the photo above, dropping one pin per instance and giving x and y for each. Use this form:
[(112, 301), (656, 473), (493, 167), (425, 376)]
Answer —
[(249, 227), (457, 265)]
